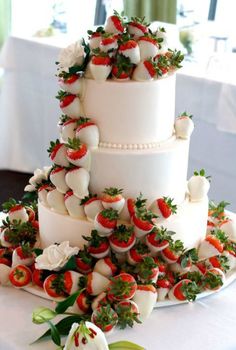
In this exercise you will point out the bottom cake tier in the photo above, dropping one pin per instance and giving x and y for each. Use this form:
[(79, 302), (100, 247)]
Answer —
[(189, 225)]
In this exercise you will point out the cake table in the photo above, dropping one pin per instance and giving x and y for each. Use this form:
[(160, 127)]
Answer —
[(205, 324)]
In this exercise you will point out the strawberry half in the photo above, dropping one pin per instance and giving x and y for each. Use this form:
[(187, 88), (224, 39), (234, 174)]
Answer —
[(20, 276)]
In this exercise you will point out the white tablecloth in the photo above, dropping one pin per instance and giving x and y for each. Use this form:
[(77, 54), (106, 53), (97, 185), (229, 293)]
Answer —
[(206, 324), (29, 113)]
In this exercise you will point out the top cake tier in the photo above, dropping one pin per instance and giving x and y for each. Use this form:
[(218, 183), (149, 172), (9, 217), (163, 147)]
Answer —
[(131, 112)]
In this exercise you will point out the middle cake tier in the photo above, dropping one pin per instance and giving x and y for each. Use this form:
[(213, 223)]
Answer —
[(156, 172)]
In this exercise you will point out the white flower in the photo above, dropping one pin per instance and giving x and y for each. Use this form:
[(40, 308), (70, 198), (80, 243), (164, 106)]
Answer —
[(55, 256), (86, 337), (71, 56), (37, 178)]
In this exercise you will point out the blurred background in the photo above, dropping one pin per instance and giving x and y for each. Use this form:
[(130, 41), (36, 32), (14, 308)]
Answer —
[(33, 31)]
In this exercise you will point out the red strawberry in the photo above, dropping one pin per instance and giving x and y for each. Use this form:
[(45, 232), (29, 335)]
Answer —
[(38, 277), (87, 131), (122, 239), (142, 221), (106, 221), (122, 68), (163, 287), (5, 261), (145, 297), (100, 67), (184, 290), (96, 283), (172, 252), (128, 313), (137, 253), (105, 267), (57, 152), (220, 262), (105, 318), (114, 24), (20, 276), (98, 246), (148, 46), (92, 206), (70, 104), (163, 207), (72, 84), (128, 209), (158, 239), (112, 198), (77, 153), (212, 245), (122, 286), (58, 285), (213, 279), (82, 303)]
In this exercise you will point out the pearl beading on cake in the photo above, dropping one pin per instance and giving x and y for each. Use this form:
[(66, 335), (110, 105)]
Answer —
[(132, 146)]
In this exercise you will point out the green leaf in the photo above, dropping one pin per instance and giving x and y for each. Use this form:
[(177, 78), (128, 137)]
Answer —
[(124, 345), (55, 335), (62, 306), (71, 264), (42, 315)]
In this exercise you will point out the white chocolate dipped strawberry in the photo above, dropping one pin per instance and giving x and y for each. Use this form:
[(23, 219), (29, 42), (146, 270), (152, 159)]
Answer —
[(162, 38), (4, 238), (114, 24), (68, 129), (57, 177), (185, 261), (148, 270), (122, 239), (121, 287), (108, 43), (105, 267), (213, 279), (145, 71), (56, 202), (137, 253), (163, 285), (122, 68), (96, 283), (72, 83), (230, 253), (15, 211), (4, 274), (143, 222), (184, 290), (43, 193), (100, 66), (95, 38), (163, 207), (105, 221), (98, 246), (213, 244), (198, 186), (112, 198), (220, 262), (85, 336), (158, 239), (78, 154), (73, 205), (92, 206), (81, 305), (78, 180), (75, 279), (22, 255), (99, 300), (57, 153), (184, 126), (145, 297), (131, 50), (128, 209), (172, 253), (148, 46), (105, 318), (128, 313), (70, 104), (87, 131), (137, 27)]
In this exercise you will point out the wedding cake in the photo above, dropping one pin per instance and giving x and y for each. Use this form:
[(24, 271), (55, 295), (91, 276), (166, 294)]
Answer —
[(119, 225)]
